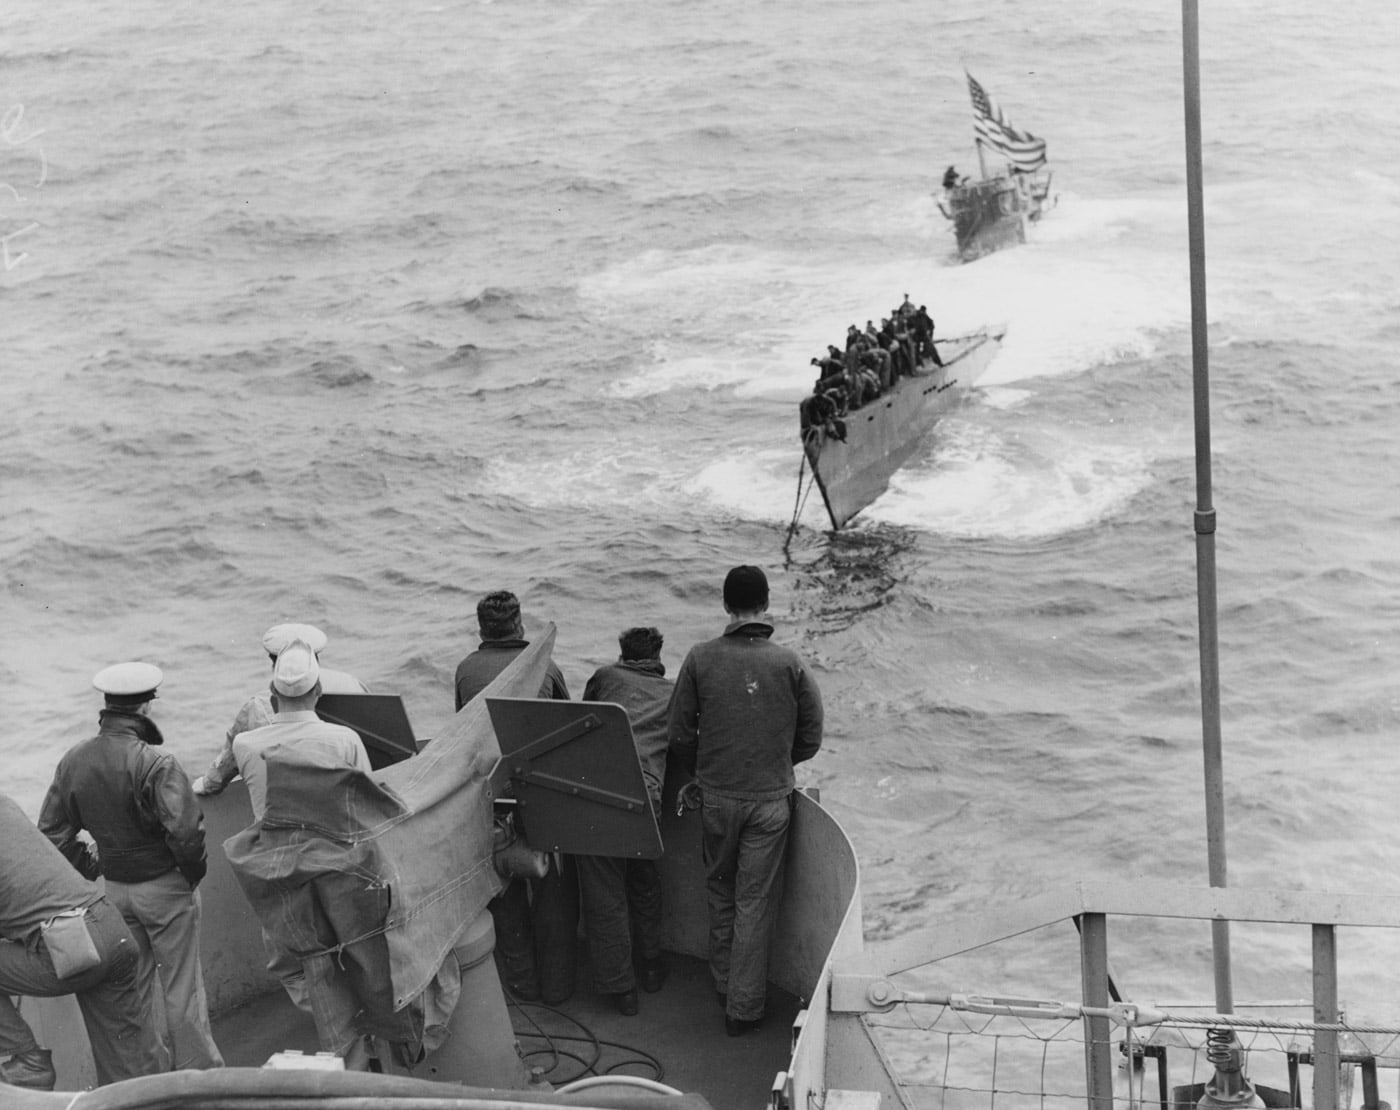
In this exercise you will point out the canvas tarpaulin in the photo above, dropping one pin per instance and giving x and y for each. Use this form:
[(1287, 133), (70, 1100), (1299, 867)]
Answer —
[(370, 880)]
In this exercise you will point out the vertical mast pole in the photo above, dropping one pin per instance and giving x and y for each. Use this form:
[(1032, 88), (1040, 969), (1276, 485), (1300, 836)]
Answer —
[(1205, 510)]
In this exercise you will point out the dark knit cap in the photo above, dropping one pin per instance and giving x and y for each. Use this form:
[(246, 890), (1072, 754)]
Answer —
[(745, 589), (498, 613), (640, 643)]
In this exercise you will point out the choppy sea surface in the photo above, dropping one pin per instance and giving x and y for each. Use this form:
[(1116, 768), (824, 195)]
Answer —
[(349, 313)]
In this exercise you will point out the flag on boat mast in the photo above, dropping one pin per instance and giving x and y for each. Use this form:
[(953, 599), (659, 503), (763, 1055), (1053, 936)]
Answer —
[(1023, 150)]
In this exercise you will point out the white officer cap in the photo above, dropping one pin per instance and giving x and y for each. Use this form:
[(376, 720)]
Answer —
[(296, 670), (129, 681), (276, 638)]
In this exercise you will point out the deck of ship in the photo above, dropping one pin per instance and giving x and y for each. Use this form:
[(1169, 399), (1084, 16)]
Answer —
[(677, 1038)]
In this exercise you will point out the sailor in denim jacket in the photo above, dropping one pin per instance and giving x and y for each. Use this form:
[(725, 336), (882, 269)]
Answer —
[(744, 711)]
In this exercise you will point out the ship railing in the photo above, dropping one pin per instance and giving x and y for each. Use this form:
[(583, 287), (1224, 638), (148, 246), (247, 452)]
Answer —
[(969, 1049)]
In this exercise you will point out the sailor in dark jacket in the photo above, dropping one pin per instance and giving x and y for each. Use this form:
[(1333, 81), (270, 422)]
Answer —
[(536, 920), (622, 897), (136, 802), (744, 710), (502, 638), (923, 329)]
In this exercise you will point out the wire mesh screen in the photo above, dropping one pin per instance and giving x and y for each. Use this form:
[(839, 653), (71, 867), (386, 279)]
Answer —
[(952, 1059)]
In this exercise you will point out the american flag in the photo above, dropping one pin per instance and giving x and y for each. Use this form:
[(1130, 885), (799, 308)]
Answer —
[(1022, 149)]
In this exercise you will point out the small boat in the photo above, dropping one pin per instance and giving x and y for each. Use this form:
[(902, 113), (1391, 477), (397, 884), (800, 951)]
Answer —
[(992, 213), (852, 460)]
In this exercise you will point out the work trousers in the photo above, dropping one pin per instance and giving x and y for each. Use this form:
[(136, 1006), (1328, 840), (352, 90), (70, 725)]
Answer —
[(114, 999), (743, 843), (621, 911), (163, 915), (536, 922)]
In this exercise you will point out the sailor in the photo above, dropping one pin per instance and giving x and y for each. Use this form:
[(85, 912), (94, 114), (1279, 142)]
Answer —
[(835, 361), (60, 935), (502, 629), (297, 683), (135, 801), (857, 387), (622, 896), (536, 920), (900, 361), (297, 686), (819, 412), (861, 385), (835, 402), (744, 711), (951, 180), (870, 382), (885, 338), (923, 329), (904, 333), (876, 360), (258, 709)]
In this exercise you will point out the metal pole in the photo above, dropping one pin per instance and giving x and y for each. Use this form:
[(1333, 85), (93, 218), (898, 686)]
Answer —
[(1098, 1035), (1205, 511), (1325, 1041)]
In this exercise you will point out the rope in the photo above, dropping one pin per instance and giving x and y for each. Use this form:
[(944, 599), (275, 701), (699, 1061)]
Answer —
[(1125, 1014), (801, 502), (589, 1064), (1235, 1022)]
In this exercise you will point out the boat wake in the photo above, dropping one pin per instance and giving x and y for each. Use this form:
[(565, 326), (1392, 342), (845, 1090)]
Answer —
[(839, 577), (977, 485)]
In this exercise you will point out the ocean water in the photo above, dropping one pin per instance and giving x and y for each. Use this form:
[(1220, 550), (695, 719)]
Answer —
[(350, 313)]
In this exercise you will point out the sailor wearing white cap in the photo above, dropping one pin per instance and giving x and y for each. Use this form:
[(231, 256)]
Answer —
[(276, 639), (135, 801), (296, 680), (258, 709)]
